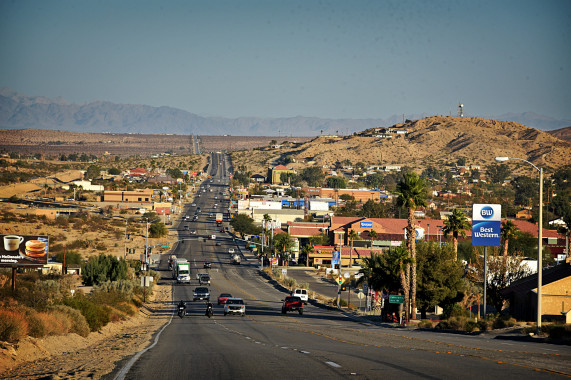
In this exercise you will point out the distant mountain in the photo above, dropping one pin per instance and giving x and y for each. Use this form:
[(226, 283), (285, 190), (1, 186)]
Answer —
[(563, 133), (18, 111), (533, 120)]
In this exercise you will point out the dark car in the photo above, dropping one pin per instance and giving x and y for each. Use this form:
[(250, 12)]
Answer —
[(292, 303), (207, 264), (223, 297), (201, 293)]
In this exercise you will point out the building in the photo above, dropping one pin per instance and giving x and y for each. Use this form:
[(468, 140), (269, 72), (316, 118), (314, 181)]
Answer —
[(555, 296), (139, 196), (277, 172), (360, 195)]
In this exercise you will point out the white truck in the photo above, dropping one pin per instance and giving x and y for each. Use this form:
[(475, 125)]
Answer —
[(236, 259), (219, 218), (183, 272)]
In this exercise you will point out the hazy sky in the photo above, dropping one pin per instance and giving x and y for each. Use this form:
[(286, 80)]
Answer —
[(330, 59)]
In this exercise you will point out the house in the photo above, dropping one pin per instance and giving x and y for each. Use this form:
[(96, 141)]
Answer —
[(524, 214), (277, 172), (142, 196), (258, 178), (555, 297)]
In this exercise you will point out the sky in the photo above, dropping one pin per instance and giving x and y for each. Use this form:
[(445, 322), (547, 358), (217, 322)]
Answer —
[(329, 59)]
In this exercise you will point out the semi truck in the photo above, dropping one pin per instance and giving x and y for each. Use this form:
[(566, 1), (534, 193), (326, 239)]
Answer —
[(219, 218)]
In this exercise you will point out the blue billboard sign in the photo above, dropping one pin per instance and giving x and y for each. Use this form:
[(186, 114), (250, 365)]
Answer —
[(335, 258), (486, 225), (366, 224)]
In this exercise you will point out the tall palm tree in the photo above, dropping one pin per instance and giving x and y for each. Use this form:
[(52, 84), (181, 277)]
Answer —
[(509, 230), (352, 236), (456, 225), (373, 234), (411, 194)]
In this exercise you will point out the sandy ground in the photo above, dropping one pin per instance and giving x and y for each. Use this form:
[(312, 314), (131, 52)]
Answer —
[(74, 357)]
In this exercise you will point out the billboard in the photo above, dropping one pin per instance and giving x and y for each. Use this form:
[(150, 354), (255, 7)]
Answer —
[(23, 250), (486, 225)]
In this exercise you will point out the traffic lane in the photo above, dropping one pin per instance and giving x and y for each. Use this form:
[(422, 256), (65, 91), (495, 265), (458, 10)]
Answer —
[(204, 348)]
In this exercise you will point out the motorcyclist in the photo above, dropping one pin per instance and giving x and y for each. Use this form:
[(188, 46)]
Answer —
[(182, 304), (209, 311)]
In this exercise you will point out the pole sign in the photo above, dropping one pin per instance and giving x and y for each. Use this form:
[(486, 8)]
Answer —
[(486, 225), (335, 258), (23, 250)]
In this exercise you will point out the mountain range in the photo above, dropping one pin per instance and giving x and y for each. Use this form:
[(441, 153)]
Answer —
[(18, 111)]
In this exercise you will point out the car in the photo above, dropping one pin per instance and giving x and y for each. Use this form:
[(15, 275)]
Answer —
[(218, 244), (193, 232), (194, 204), (201, 293), (223, 297), (207, 264), (231, 251), (204, 279), (186, 228), (222, 230), (292, 303), (235, 306), (301, 293)]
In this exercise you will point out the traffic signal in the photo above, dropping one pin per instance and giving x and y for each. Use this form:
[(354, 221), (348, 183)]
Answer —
[(343, 287)]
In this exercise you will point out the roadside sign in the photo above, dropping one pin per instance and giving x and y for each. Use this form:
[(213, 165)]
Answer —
[(486, 225), (360, 295), (165, 246), (395, 298), (339, 280), (284, 272), (335, 258), (274, 261)]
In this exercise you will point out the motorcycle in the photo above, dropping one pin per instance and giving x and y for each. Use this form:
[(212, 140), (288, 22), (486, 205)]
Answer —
[(209, 312), (181, 311)]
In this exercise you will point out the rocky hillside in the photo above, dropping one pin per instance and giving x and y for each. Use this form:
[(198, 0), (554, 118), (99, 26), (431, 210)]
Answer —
[(563, 134), (430, 141)]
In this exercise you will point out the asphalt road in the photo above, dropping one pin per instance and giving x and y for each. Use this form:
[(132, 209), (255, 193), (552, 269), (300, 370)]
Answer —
[(321, 343)]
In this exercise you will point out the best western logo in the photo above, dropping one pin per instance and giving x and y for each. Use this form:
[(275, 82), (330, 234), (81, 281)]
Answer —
[(487, 212)]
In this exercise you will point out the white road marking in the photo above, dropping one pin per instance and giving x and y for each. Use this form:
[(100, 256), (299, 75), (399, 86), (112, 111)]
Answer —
[(304, 352), (333, 364)]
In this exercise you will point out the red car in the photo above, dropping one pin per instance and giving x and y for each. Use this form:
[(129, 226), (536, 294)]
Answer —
[(292, 303), (223, 297)]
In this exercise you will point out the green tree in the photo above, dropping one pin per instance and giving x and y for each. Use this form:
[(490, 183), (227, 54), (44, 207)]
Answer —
[(498, 173), (321, 239), (374, 181), (157, 230), (92, 172), (283, 244), (336, 183), (509, 230), (352, 237), (411, 192), (102, 268), (372, 209), (313, 176), (175, 173), (114, 171), (440, 277), (378, 274), (243, 224), (71, 257), (456, 224)]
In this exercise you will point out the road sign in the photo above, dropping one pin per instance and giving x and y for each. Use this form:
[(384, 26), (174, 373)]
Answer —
[(394, 298), (284, 272), (339, 280), (486, 225), (365, 287), (360, 295), (165, 246)]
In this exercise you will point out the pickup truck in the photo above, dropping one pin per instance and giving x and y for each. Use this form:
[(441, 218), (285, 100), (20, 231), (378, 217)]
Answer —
[(292, 303), (201, 293)]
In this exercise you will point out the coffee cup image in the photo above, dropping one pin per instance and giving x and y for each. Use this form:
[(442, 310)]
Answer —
[(35, 248), (12, 242)]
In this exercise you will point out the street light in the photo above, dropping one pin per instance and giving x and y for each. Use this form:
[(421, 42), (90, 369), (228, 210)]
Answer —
[(539, 235)]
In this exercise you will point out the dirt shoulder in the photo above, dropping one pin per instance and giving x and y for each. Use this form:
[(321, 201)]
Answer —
[(74, 357)]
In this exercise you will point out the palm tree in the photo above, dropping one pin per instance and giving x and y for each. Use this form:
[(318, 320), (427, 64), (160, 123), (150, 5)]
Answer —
[(456, 225), (400, 260), (373, 234), (352, 236), (509, 230), (411, 194)]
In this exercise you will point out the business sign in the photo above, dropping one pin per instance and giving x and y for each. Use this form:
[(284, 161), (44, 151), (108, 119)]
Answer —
[(274, 261), (366, 224), (335, 258), (486, 225), (23, 250), (419, 233)]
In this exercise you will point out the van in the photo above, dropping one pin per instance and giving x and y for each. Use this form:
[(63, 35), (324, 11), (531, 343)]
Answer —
[(301, 293)]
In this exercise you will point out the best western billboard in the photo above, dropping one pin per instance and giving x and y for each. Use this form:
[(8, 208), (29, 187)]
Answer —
[(23, 250), (486, 225)]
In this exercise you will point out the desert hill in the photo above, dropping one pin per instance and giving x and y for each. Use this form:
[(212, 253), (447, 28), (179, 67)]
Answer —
[(431, 141), (563, 134)]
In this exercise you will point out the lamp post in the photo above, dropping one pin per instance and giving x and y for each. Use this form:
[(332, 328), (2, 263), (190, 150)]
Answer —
[(539, 236)]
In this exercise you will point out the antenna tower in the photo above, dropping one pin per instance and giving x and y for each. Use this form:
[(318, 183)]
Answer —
[(460, 110)]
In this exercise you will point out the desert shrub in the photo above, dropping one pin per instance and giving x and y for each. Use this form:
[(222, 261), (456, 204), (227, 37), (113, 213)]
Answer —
[(79, 324), (454, 310), (503, 321), (104, 268), (53, 323), (557, 331), (96, 315), (482, 325), (289, 282), (425, 324), (276, 272), (13, 325), (442, 325), (470, 326), (127, 308)]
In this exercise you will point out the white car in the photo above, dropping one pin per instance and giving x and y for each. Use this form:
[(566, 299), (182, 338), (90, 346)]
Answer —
[(231, 251), (301, 293), (235, 306)]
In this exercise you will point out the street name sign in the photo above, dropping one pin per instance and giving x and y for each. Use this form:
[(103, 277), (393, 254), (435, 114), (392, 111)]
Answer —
[(395, 298)]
